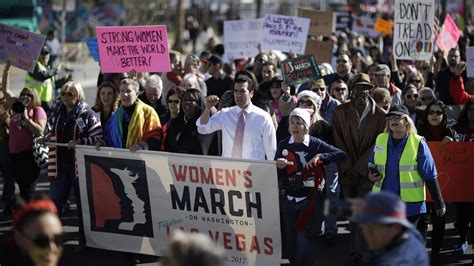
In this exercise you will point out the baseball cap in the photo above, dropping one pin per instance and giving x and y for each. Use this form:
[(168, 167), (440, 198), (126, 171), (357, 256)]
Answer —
[(397, 110), (383, 208), (382, 69), (215, 60), (45, 49)]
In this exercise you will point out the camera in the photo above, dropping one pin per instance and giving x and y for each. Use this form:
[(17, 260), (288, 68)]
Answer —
[(339, 208), (18, 107)]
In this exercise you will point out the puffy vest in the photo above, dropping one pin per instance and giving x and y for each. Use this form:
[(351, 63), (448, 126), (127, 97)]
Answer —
[(44, 88), (412, 186)]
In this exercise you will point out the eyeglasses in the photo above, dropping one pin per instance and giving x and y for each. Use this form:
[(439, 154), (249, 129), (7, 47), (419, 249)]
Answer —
[(409, 96), (318, 89), (438, 113), (429, 98), (341, 61), (26, 95), (415, 81), (44, 241), (340, 89), (68, 94), (305, 102), (174, 101)]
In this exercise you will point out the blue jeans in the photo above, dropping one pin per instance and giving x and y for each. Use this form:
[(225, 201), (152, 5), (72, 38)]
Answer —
[(299, 248), (8, 194), (60, 189)]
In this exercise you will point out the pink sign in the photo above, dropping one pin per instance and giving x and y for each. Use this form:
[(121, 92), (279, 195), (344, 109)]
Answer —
[(449, 36), (133, 48)]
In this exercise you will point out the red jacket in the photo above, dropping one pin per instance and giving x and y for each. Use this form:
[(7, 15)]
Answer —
[(457, 92)]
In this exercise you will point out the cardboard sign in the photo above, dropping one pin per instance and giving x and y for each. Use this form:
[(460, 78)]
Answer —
[(132, 202), (449, 35), (454, 163), (242, 37), (365, 25), (413, 33), (22, 48), (285, 33), (342, 20), (383, 26), (322, 22), (470, 61), (133, 48), (300, 70), (93, 48), (322, 51)]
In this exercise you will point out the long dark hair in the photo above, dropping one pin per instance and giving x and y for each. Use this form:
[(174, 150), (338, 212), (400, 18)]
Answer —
[(424, 118), (463, 119)]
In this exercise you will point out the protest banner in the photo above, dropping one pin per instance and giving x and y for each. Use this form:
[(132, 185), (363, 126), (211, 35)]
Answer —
[(321, 22), (242, 37), (93, 48), (454, 163), (413, 33), (449, 35), (284, 33), (365, 25), (132, 202), (133, 48), (22, 48), (322, 51), (342, 20), (470, 61), (383, 26), (300, 70)]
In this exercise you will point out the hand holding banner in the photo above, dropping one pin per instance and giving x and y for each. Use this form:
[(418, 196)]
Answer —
[(133, 48)]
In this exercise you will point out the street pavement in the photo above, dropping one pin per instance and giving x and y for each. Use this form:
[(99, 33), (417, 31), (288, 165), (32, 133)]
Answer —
[(86, 72)]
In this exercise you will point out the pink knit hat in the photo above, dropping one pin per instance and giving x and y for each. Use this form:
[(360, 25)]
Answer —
[(304, 114)]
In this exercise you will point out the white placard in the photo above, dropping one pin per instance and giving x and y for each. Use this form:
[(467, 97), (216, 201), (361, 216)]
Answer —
[(285, 33), (413, 34), (131, 202), (242, 37)]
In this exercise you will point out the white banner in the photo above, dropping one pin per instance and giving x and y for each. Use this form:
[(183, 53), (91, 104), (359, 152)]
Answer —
[(131, 202), (242, 37), (413, 34), (285, 33)]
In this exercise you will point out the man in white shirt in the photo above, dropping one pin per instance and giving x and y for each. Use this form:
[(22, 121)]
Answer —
[(247, 131)]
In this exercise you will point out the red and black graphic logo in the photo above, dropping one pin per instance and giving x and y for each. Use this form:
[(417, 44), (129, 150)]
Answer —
[(118, 196)]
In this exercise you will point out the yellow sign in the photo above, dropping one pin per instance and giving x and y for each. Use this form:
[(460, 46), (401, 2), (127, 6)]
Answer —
[(383, 26)]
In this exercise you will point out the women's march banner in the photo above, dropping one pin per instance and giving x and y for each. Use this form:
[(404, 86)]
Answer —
[(132, 202)]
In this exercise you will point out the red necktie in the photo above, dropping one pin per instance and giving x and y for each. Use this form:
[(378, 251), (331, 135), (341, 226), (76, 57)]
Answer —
[(239, 136)]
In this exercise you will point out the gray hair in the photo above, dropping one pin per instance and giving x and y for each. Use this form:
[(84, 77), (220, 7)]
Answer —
[(427, 89), (130, 82), (154, 81)]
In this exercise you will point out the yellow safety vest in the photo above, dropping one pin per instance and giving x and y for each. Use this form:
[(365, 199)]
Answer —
[(44, 88), (412, 186)]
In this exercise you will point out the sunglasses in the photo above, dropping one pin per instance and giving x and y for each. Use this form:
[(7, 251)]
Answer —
[(415, 81), (426, 98), (341, 61), (318, 89), (68, 94), (174, 101), (44, 241), (340, 89), (305, 102), (26, 95), (409, 96), (438, 113)]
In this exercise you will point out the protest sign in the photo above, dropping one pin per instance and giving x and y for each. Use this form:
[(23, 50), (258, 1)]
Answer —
[(93, 48), (383, 26), (342, 20), (284, 33), (413, 33), (365, 25), (242, 37), (133, 48), (454, 162), (321, 22), (22, 48), (470, 61), (132, 202), (322, 51), (449, 35), (300, 70)]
